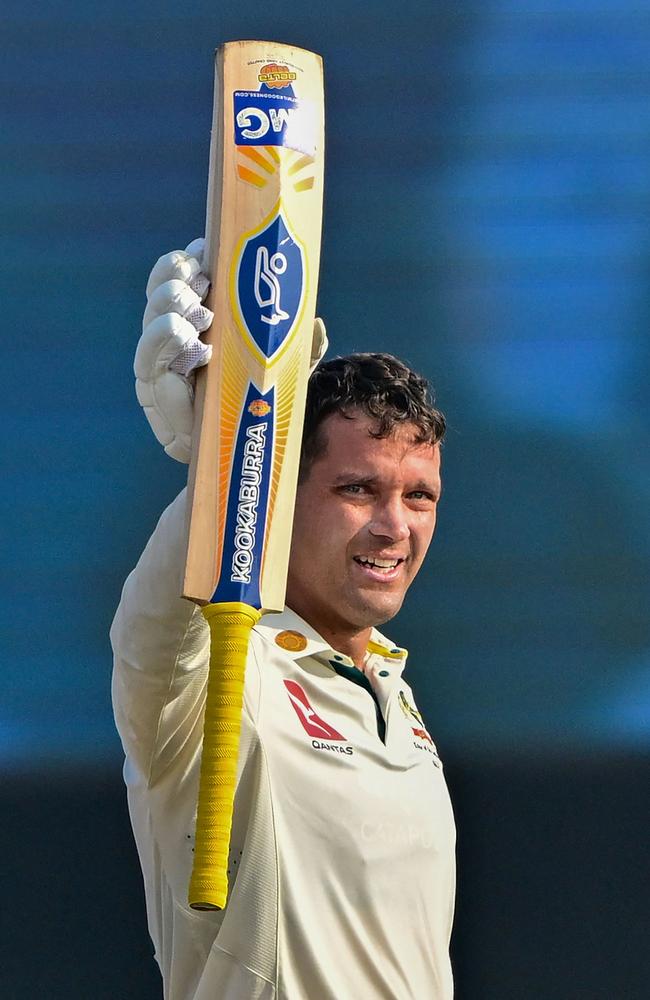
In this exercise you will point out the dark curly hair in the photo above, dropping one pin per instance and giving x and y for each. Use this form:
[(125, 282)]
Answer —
[(380, 386)]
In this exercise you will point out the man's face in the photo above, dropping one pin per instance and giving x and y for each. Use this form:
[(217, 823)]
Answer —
[(365, 515)]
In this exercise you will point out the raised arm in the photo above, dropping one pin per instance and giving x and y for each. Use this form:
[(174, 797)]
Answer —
[(161, 649), (160, 641)]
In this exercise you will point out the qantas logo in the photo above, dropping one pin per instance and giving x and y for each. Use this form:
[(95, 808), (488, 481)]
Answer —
[(311, 722)]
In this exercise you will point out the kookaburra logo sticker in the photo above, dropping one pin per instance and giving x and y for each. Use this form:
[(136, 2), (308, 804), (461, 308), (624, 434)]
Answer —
[(268, 284), (268, 270)]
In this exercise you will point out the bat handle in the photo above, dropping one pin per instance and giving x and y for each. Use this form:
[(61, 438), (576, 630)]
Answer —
[(230, 628)]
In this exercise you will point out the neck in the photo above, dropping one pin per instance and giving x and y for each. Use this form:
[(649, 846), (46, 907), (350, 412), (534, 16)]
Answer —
[(351, 642), (352, 645)]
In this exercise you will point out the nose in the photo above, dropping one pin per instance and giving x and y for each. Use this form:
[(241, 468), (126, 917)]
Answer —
[(389, 521)]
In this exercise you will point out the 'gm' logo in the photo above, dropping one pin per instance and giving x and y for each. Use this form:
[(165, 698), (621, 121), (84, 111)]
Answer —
[(269, 283)]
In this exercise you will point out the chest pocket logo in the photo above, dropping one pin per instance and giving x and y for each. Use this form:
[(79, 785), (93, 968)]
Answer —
[(420, 730)]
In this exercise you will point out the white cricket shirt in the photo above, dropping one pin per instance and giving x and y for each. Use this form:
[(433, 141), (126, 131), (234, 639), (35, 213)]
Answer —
[(342, 853)]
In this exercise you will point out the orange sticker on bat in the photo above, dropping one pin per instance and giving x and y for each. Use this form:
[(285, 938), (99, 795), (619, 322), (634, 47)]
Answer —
[(276, 75), (259, 408)]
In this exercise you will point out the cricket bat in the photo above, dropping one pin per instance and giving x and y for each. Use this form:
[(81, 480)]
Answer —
[(264, 217)]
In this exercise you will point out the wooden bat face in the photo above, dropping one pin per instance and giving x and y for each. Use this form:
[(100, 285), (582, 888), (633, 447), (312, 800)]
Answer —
[(263, 248)]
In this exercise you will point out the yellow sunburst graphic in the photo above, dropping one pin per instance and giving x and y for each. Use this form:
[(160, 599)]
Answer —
[(284, 403), (259, 163)]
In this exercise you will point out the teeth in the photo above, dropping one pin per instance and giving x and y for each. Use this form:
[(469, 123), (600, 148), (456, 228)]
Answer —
[(379, 563)]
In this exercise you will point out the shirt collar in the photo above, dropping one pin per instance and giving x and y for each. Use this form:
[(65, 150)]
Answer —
[(298, 639), (292, 634)]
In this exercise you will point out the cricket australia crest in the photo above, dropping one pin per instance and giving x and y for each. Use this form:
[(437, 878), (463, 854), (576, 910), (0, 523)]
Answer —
[(268, 284)]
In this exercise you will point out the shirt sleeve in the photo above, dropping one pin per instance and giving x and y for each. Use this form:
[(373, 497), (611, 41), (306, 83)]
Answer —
[(161, 645)]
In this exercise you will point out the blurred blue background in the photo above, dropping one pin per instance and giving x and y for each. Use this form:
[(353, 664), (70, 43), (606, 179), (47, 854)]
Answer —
[(486, 218)]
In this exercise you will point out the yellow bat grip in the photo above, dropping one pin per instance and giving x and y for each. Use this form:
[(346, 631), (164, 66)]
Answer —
[(230, 628)]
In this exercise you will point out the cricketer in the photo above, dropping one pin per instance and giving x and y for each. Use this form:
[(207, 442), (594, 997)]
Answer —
[(341, 868)]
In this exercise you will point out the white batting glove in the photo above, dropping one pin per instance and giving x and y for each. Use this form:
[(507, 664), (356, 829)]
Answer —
[(170, 350)]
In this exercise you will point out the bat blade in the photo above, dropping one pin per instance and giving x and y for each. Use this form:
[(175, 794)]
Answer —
[(262, 250)]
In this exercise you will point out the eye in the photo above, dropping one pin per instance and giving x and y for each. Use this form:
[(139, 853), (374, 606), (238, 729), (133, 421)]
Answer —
[(422, 496), (355, 490)]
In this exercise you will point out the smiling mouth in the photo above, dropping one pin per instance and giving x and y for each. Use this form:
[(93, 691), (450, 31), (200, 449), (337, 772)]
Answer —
[(378, 565)]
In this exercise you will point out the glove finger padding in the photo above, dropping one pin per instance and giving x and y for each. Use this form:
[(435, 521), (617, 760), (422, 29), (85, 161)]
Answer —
[(196, 249), (176, 296), (167, 397), (178, 265), (160, 344), (167, 402), (319, 343)]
